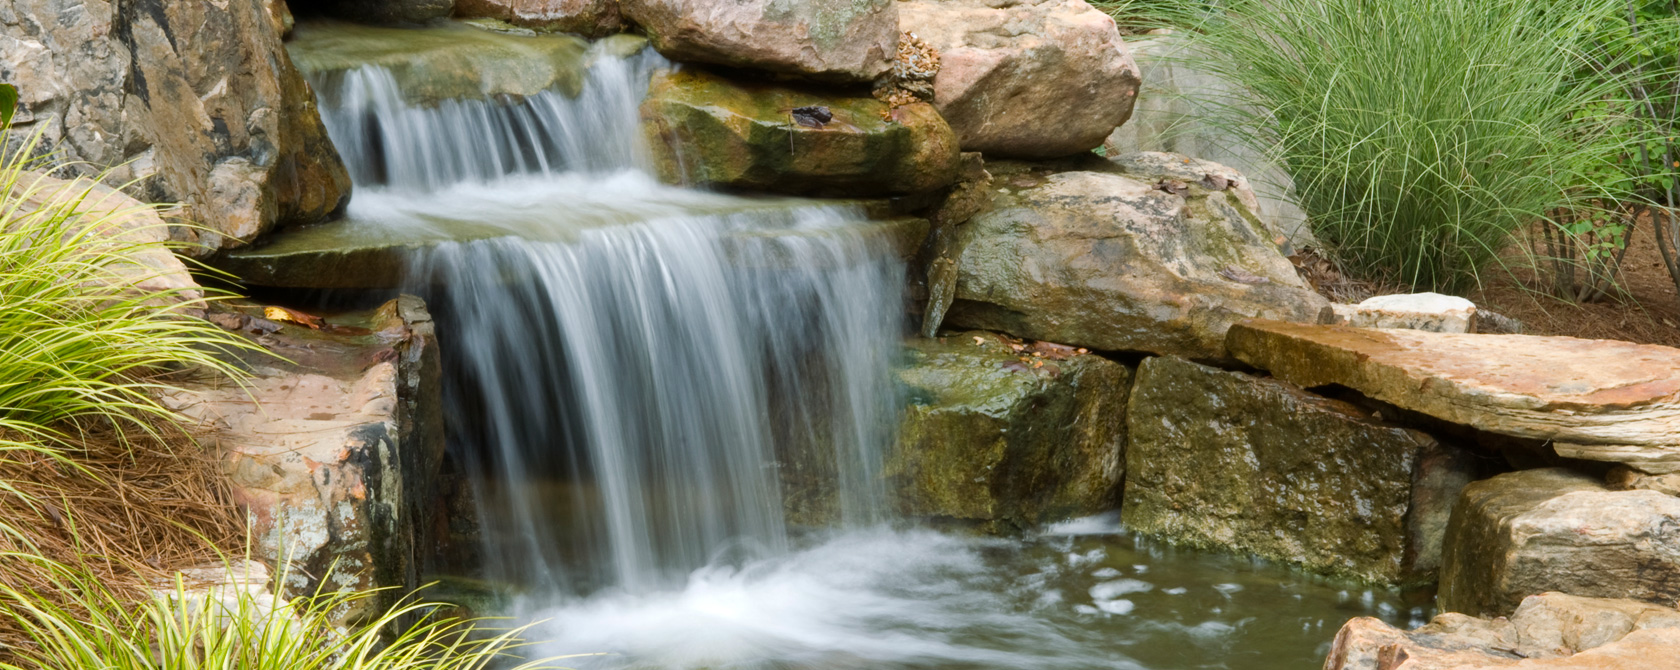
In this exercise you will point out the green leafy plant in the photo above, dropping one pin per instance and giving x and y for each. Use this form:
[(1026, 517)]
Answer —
[(1422, 134), (8, 104), (226, 626)]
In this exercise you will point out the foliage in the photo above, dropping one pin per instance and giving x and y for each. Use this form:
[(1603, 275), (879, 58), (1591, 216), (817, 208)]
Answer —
[(223, 626), (1421, 134), (8, 103)]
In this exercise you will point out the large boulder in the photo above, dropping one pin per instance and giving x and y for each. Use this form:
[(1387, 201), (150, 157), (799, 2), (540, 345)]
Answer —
[(850, 40), (1007, 439), (197, 100), (1531, 531), (1226, 460), (587, 17), (333, 452), (1598, 400), (387, 11), (1150, 252), (1550, 630), (709, 130), (1026, 78)]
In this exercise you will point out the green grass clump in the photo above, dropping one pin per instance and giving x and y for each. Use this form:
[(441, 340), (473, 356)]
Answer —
[(1421, 134)]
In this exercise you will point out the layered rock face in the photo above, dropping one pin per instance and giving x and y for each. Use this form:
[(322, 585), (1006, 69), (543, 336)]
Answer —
[(1549, 630), (1226, 460), (1554, 530), (586, 17), (708, 130), (333, 455), (1154, 253), (1593, 399), (1005, 439), (1026, 78), (845, 40), (199, 95)]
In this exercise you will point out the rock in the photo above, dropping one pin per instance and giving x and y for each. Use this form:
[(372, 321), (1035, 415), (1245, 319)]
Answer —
[(708, 130), (1167, 118), (332, 455), (1026, 78), (121, 222), (990, 437), (1116, 257), (1229, 461), (1597, 400), (1532, 531), (282, 15), (388, 11), (1624, 478), (971, 195), (595, 18), (222, 591), (447, 61), (1550, 630), (1433, 312), (196, 100), (851, 40)]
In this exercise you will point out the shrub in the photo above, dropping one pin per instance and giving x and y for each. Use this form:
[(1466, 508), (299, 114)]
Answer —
[(1421, 134)]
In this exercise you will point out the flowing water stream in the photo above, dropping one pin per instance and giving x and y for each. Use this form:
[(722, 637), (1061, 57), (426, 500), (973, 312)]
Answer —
[(634, 368)]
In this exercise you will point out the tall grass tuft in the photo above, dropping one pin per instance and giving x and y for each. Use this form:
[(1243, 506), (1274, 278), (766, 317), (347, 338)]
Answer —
[(226, 626), (1421, 134)]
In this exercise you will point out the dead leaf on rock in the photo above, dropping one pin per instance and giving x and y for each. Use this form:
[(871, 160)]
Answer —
[(275, 313)]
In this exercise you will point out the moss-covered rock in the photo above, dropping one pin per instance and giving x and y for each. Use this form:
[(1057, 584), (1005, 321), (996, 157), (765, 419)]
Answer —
[(706, 129), (1154, 253), (1005, 443), (1225, 460)]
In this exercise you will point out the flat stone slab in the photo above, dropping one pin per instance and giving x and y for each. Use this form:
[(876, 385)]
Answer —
[(1600, 400)]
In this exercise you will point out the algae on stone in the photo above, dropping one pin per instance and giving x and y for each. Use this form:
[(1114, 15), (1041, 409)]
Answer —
[(989, 439), (1224, 460)]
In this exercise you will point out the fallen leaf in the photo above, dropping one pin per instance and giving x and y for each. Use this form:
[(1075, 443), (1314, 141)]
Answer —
[(979, 340), (274, 313)]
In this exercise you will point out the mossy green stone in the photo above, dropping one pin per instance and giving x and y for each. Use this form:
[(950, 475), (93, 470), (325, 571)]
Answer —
[(989, 439), (709, 130), (448, 61)]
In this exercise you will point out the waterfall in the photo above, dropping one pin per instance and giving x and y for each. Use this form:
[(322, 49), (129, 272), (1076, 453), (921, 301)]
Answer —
[(635, 369)]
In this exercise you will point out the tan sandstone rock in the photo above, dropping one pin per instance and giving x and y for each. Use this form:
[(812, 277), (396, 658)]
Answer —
[(117, 221), (847, 40), (1534, 531), (1593, 399), (332, 455), (1026, 78), (1156, 254), (587, 17)]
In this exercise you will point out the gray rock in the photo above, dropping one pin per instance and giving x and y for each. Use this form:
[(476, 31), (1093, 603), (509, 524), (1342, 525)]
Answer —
[(1229, 461), (1151, 253), (1554, 530), (594, 18), (848, 40), (389, 11)]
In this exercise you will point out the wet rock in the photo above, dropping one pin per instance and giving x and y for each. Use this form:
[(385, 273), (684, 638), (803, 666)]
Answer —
[(1550, 630), (1167, 118), (1026, 79), (388, 11), (1433, 312), (333, 455), (1597, 400), (971, 195), (1123, 256), (448, 61), (119, 222), (197, 101), (1004, 439), (594, 18), (1554, 530), (1229, 461), (709, 130), (848, 40)]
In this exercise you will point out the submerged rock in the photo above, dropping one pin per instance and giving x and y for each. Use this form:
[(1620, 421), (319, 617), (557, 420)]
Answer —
[(1598, 400), (709, 130), (1028, 78), (1549, 630), (1153, 253), (197, 101), (1554, 530), (333, 454), (1005, 439), (846, 40), (594, 18), (1229, 461), (449, 61)]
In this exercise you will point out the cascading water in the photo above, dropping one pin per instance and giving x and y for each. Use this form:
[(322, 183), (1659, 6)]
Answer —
[(638, 369)]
